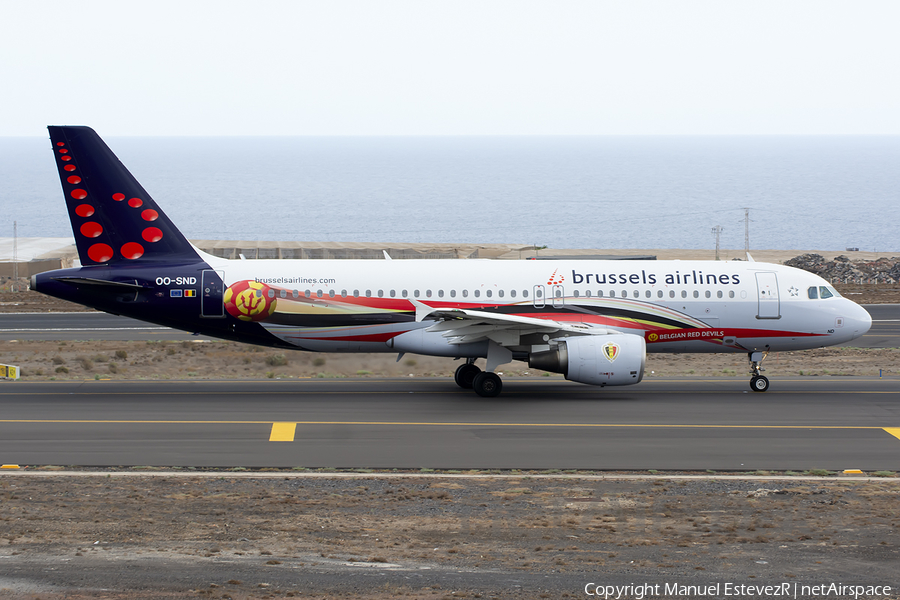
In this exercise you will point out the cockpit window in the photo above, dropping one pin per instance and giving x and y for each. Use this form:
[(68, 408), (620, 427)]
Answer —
[(813, 293), (825, 292)]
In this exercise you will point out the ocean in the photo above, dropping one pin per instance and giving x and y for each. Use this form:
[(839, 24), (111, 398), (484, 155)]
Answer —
[(803, 192)]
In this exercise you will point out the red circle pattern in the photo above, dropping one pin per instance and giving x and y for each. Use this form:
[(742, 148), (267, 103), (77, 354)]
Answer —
[(118, 197), (74, 179), (149, 215), (152, 234), (79, 194), (135, 203), (91, 229), (100, 253), (69, 167), (84, 210), (132, 250)]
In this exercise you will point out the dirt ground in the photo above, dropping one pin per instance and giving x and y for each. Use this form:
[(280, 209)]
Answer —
[(519, 536)]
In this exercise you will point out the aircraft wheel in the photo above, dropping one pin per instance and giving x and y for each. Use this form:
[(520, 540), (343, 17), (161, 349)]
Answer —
[(487, 385), (759, 383), (465, 375)]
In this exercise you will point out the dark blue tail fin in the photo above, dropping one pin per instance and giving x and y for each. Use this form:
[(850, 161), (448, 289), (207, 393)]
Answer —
[(113, 218)]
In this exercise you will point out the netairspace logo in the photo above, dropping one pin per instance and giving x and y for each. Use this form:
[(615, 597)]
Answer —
[(735, 590)]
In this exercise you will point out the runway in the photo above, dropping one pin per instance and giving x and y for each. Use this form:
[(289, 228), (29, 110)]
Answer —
[(664, 424), (885, 331)]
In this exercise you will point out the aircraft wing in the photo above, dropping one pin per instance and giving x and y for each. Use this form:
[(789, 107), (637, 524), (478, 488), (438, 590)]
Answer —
[(462, 326)]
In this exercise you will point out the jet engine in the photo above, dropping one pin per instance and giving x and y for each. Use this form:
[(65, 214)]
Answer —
[(616, 359)]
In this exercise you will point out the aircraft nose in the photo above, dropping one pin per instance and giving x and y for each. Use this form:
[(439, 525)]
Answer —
[(860, 320)]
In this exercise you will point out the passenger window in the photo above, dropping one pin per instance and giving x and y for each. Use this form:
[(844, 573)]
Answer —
[(612, 293), (587, 294), (343, 293), (368, 293), (671, 293), (331, 293), (404, 293), (465, 293), (355, 293), (477, 293), (813, 293), (271, 293), (524, 293), (599, 293), (428, 293), (575, 293), (731, 293), (824, 292), (295, 293), (440, 293), (381, 293), (708, 294), (283, 293), (659, 294), (488, 293), (500, 293), (416, 293), (453, 293), (696, 294), (648, 293), (319, 293), (624, 293), (512, 293), (393, 293), (684, 293), (719, 294), (637, 294)]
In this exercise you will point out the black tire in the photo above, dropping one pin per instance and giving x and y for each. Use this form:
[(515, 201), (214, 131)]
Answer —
[(465, 375), (759, 383), (487, 385)]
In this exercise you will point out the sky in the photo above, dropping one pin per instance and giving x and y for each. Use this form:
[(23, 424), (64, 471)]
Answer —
[(223, 67)]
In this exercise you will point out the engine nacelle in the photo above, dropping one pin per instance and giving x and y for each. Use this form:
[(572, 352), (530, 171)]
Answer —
[(616, 359)]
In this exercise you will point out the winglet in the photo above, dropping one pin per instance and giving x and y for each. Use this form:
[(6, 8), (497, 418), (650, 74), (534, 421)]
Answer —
[(750, 258), (386, 255)]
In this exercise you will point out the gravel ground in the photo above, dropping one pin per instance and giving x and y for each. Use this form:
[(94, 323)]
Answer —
[(517, 536)]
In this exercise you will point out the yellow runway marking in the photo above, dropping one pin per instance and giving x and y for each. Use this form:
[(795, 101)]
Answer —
[(445, 424), (894, 431), (283, 432)]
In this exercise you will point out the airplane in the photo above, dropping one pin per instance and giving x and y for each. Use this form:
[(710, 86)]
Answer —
[(594, 321)]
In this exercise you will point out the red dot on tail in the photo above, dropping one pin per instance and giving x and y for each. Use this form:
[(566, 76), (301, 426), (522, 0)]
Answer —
[(132, 250), (79, 194), (84, 210), (69, 167), (63, 151), (118, 197), (74, 179), (135, 203), (100, 253), (149, 215), (66, 157), (91, 230), (60, 144), (152, 234)]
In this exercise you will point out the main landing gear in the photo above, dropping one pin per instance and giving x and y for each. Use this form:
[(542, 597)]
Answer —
[(758, 383), (470, 377)]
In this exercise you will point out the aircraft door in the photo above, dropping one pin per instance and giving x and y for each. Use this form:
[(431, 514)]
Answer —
[(538, 299), (559, 296), (769, 303), (212, 294)]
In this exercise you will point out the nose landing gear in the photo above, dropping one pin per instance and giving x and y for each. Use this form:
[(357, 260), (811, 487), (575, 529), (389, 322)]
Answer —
[(758, 382)]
